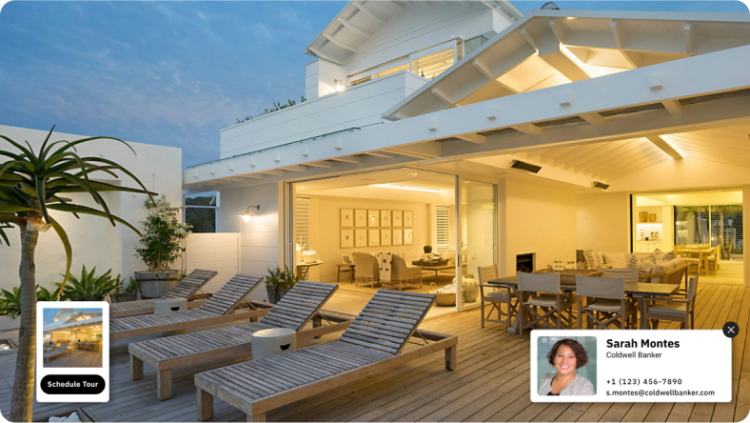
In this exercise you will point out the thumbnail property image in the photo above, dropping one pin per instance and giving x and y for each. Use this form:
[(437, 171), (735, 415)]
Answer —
[(72, 337), (448, 177)]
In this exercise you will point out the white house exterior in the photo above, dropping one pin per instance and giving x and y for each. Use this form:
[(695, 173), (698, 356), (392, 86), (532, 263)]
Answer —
[(95, 242), (646, 103)]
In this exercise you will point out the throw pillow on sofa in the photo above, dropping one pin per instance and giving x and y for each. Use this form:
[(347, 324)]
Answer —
[(617, 260), (643, 266), (594, 259)]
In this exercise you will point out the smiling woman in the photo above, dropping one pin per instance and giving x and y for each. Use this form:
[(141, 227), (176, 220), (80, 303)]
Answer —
[(567, 356)]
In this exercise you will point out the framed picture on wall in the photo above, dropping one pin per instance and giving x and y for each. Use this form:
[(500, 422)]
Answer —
[(347, 258), (373, 218), (385, 218), (398, 219), (347, 238), (360, 238), (360, 218), (385, 237), (408, 236), (408, 219), (374, 238), (347, 218), (398, 237)]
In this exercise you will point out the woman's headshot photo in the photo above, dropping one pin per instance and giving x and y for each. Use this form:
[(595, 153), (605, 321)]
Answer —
[(569, 367)]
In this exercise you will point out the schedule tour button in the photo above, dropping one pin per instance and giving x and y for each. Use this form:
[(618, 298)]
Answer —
[(73, 384)]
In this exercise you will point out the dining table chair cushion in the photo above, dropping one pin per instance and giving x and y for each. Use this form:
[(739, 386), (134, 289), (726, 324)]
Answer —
[(608, 306), (501, 293), (546, 300), (674, 309)]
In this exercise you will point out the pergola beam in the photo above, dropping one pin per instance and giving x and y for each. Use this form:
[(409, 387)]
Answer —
[(341, 44), (368, 13), (354, 28), (665, 147)]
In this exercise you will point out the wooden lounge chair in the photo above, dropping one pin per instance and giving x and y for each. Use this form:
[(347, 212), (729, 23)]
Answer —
[(217, 309), (187, 288), (51, 346), (372, 344), (60, 351), (294, 311)]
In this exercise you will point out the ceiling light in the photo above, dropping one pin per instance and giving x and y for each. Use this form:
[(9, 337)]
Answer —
[(517, 164), (407, 188), (246, 216), (414, 174), (600, 185)]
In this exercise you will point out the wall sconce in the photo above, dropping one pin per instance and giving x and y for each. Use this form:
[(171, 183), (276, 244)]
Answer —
[(339, 85), (246, 216)]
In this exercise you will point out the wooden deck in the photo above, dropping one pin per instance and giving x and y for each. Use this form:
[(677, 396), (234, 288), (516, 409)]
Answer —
[(76, 358), (491, 383)]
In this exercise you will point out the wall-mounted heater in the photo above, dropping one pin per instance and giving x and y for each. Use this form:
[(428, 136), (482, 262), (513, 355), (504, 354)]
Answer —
[(517, 164), (600, 185)]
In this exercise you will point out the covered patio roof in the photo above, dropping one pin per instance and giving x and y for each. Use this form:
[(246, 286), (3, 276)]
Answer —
[(360, 20), (550, 48)]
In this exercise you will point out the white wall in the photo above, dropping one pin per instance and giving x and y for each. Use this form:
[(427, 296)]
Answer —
[(219, 252), (539, 220), (320, 76), (94, 241), (326, 229), (260, 246), (417, 28), (603, 221), (355, 107)]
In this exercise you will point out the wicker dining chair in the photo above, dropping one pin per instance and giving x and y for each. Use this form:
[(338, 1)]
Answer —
[(606, 303), (495, 296), (545, 303), (675, 308), (403, 275)]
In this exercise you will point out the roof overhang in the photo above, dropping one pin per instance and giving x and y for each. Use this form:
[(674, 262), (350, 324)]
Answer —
[(360, 20), (549, 48)]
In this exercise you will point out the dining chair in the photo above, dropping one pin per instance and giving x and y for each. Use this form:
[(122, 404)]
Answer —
[(694, 257), (543, 291), (606, 302), (674, 308), (496, 297)]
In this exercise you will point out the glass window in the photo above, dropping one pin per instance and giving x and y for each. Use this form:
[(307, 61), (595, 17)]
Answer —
[(474, 43), (202, 215)]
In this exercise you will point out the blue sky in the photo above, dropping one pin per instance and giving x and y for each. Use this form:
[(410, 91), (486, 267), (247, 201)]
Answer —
[(175, 73), (49, 313)]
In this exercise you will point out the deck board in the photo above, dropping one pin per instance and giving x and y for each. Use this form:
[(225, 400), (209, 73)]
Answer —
[(490, 384)]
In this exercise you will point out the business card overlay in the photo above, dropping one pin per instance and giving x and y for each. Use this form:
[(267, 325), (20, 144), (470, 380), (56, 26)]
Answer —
[(631, 366), (72, 351)]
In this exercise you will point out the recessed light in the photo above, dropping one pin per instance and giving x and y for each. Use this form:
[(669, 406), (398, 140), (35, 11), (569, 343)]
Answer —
[(414, 174)]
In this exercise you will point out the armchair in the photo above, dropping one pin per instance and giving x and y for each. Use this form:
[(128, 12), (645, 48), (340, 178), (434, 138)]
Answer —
[(403, 275), (368, 271)]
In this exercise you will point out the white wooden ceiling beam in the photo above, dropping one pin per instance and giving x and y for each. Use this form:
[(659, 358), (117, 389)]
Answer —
[(354, 28), (472, 138), (341, 44), (527, 129), (548, 46), (368, 13), (624, 166), (619, 34), (562, 160), (485, 70), (323, 164), (442, 96), (665, 147), (321, 55), (296, 168), (379, 154), (607, 150), (252, 176), (689, 35), (348, 159), (594, 118), (673, 107)]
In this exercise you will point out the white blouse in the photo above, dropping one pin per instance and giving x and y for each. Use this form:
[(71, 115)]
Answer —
[(578, 386)]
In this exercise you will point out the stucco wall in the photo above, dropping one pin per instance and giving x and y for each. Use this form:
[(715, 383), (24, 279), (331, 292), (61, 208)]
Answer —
[(603, 221), (539, 220), (94, 241)]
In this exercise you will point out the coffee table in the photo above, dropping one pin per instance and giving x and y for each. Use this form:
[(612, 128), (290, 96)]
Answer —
[(437, 269)]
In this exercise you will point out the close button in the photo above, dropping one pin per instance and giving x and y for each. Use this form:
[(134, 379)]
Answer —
[(73, 384)]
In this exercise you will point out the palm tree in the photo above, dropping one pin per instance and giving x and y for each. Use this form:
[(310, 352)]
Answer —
[(31, 185)]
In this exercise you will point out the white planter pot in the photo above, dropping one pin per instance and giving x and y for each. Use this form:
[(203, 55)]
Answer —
[(156, 284)]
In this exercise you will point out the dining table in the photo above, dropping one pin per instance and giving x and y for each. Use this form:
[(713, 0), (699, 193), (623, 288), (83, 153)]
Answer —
[(638, 290)]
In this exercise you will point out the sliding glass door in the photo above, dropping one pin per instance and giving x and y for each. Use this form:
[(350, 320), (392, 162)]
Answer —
[(718, 225), (478, 235)]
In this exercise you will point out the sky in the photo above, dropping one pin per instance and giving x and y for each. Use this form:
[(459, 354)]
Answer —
[(49, 313), (175, 73)]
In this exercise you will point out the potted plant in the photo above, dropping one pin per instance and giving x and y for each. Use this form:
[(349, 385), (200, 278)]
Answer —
[(278, 283), (89, 287), (123, 294), (161, 245)]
